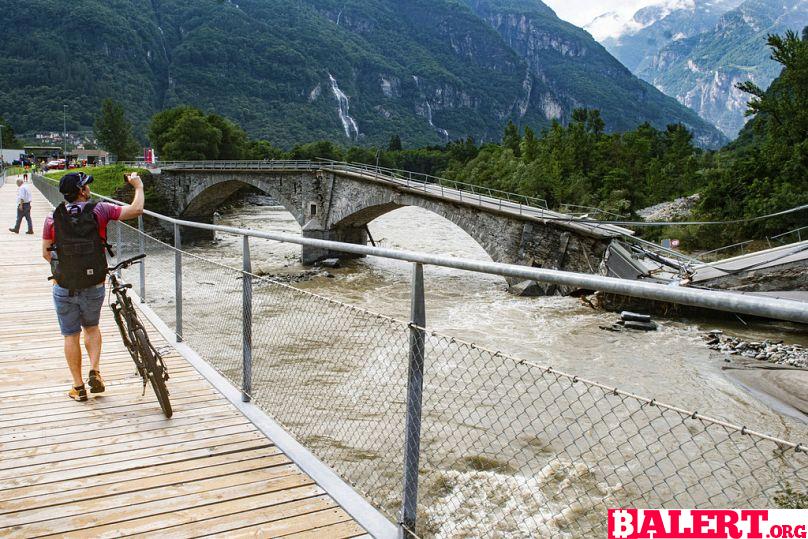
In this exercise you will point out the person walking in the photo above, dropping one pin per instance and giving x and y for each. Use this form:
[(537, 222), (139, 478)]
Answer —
[(74, 242), (23, 207)]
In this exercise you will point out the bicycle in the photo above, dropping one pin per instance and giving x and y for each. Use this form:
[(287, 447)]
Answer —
[(149, 362)]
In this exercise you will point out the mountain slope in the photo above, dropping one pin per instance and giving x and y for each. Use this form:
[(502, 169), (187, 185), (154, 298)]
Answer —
[(702, 71), (699, 52), (296, 70), (658, 25), (569, 69)]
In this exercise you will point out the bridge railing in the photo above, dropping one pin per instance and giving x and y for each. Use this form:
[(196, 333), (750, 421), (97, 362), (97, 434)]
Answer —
[(430, 183), (446, 437)]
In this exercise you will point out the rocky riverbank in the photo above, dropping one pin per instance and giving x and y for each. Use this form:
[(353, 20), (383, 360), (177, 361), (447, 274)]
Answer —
[(771, 351), (681, 208)]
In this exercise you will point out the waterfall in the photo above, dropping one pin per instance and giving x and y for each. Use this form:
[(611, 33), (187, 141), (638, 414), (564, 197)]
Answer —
[(343, 108), (440, 130)]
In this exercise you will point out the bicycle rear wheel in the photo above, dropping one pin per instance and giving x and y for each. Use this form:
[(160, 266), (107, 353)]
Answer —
[(154, 371)]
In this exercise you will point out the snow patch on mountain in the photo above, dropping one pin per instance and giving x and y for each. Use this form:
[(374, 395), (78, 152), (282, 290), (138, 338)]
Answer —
[(629, 19)]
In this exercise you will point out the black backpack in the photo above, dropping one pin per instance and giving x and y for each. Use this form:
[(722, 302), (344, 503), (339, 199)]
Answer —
[(81, 256)]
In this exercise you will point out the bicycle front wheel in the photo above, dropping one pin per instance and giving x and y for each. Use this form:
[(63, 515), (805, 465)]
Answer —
[(154, 371)]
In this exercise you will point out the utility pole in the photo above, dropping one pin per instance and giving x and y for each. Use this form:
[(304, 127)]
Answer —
[(64, 133), (2, 160)]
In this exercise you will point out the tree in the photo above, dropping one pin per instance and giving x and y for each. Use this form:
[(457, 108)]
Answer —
[(192, 138), (114, 132), (162, 123), (262, 149), (323, 149), (233, 144), (395, 144), (512, 140), (9, 140), (530, 146), (594, 123), (784, 107)]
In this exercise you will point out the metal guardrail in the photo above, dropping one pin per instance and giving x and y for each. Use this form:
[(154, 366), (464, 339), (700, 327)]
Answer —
[(798, 231), (701, 256), (445, 437)]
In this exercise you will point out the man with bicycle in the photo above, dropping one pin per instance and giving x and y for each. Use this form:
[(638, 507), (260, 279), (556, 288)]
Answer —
[(74, 242)]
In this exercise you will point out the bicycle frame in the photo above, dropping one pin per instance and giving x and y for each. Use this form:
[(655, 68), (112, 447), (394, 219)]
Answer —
[(128, 323)]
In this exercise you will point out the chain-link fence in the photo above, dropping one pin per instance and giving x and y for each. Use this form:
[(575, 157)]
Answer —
[(507, 447)]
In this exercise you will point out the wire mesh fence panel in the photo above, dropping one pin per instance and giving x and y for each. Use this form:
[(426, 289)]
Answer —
[(335, 377), (511, 448), (158, 271), (212, 314), (49, 190)]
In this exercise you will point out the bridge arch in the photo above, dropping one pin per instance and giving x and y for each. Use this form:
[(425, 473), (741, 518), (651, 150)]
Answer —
[(204, 197), (499, 238)]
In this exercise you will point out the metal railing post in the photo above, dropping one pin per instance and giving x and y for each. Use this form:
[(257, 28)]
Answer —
[(178, 280), (415, 385), (246, 321), (142, 249)]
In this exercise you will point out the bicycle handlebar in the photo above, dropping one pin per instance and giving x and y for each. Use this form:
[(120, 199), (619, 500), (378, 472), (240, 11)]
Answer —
[(126, 263)]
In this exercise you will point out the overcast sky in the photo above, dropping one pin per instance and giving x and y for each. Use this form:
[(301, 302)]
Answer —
[(581, 12)]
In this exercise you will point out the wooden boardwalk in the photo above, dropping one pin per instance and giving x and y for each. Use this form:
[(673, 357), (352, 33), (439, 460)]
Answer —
[(114, 466)]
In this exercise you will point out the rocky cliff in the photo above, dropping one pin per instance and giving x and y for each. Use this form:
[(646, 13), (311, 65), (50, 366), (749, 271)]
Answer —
[(700, 52)]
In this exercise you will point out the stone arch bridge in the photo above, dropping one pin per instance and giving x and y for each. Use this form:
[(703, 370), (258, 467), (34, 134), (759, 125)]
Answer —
[(336, 201)]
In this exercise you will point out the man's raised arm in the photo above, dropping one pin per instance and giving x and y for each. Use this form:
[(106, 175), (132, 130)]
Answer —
[(135, 209)]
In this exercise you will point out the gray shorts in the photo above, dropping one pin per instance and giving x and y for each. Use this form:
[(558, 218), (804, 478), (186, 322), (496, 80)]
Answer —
[(82, 310)]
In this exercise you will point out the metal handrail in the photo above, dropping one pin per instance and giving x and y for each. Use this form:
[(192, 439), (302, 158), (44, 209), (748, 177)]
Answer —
[(422, 177), (724, 248), (797, 230), (766, 307), (591, 209)]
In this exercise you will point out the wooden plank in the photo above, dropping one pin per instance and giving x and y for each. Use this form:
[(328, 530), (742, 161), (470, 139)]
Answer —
[(288, 526), (197, 521), (342, 530), (150, 493), (83, 410), (140, 438), (88, 487), (34, 437), (146, 410), (172, 453), (116, 395), (72, 459), (286, 488), (17, 394), (229, 446), (48, 437), (224, 524)]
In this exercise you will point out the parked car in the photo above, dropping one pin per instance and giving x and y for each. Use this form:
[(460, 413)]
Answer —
[(56, 164)]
